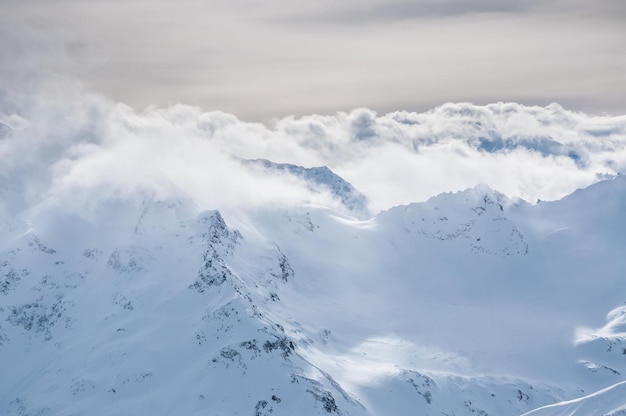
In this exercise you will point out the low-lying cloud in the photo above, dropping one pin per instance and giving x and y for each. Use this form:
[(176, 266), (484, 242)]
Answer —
[(78, 149)]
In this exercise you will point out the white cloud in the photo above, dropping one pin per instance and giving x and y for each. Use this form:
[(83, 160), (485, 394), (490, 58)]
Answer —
[(63, 145), (78, 149)]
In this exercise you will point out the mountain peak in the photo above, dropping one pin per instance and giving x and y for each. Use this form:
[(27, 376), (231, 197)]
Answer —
[(475, 215), (324, 178), (455, 305)]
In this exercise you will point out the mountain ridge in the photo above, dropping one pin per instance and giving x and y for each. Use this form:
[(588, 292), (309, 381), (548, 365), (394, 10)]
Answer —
[(306, 310)]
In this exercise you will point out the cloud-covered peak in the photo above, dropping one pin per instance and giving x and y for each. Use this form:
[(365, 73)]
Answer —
[(320, 179), (81, 149)]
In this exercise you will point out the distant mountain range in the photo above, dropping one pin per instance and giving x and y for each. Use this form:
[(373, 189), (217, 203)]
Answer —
[(470, 303)]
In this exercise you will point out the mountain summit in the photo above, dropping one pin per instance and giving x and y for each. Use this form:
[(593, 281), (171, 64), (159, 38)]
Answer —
[(468, 303)]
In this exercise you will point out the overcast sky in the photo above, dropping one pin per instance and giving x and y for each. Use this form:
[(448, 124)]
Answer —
[(271, 58)]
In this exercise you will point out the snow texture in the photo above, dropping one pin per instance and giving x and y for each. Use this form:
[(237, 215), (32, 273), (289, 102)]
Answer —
[(468, 303)]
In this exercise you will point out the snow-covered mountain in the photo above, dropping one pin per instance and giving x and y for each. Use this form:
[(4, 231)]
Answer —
[(469, 303), (321, 178)]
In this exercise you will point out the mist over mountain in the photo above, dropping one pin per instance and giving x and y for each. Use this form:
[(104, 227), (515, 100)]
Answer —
[(84, 145), (465, 260)]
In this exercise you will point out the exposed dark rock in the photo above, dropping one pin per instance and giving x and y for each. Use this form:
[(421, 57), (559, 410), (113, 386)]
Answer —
[(283, 344)]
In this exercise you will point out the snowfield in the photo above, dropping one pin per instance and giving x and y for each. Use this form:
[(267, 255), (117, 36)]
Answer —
[(470, 303)]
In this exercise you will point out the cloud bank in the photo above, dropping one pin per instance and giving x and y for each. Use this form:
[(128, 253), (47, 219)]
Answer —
[(76, 150)]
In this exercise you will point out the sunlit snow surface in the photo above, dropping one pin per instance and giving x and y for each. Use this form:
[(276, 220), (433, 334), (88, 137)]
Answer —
[(607, 402), (468, 303)]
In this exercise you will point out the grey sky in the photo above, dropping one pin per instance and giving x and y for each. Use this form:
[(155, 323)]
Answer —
[(263, 59)]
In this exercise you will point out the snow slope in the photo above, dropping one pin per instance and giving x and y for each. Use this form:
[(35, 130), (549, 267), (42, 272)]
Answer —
[(607, 402), (468, 303), (161, 324)]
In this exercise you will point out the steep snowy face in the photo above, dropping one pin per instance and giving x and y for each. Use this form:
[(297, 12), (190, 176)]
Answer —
[(468, 303), (171, 315), (322, 178)]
